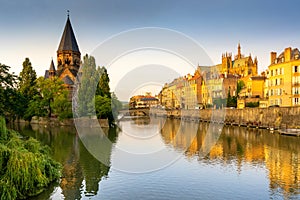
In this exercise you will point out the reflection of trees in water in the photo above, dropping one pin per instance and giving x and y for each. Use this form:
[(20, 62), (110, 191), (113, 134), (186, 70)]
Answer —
[(280, 154), (78, 163)]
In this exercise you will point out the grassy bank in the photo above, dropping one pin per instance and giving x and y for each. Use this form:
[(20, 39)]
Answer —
[(26, 167)]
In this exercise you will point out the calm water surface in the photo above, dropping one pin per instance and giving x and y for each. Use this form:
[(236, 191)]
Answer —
[(243, 164)]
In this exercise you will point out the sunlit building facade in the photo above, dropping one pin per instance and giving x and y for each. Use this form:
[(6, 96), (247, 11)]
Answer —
[(284, 78)]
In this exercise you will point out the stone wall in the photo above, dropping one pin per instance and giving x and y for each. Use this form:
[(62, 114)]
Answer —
[(262, 117), (65, 122)]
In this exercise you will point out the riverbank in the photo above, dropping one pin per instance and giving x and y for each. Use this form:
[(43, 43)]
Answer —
[(46, 121), (25, 165), (268, 118)]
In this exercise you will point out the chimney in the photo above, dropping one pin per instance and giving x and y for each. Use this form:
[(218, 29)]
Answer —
[(273, 57), (287, 54)]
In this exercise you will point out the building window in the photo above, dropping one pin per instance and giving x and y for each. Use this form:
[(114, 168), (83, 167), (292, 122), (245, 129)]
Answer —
[(296, 90), (271, 72), (296, 101), (271, 92), (296, 69)]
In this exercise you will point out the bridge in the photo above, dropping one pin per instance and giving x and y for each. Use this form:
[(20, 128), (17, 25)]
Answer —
[(135, 112)]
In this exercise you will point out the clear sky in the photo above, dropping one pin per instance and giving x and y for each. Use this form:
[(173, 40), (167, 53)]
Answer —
[(33, 28)]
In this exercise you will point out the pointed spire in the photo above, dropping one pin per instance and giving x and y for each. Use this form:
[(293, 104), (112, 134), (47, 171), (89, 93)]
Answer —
[(52, 67), (239, 51), (68, 40)]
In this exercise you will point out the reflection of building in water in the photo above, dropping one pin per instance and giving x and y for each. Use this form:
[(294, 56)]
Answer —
[(279, 154), (284, 169), (145, 120), (72, 174)]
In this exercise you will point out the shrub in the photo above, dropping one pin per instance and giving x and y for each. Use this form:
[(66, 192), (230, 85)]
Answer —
[(26, 167)]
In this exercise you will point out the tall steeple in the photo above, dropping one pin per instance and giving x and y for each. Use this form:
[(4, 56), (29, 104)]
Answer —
[(52, 71), (68, 54), (68, 41), (239, 56)]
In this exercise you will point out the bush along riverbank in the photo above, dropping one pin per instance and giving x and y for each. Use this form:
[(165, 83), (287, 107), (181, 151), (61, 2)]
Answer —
[(26, 167)]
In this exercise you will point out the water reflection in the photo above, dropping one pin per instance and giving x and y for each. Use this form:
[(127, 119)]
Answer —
[(279, 154), (81, 172), (251, 152)]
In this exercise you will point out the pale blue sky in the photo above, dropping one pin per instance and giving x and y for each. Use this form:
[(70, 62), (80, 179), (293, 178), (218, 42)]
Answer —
[(33, 28)]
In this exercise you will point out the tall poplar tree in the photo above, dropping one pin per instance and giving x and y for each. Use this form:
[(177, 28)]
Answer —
[(26, 86), (27, 80)]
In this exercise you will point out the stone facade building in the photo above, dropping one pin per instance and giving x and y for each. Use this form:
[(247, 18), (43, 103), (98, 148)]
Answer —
[(284, 78), (68, 58)]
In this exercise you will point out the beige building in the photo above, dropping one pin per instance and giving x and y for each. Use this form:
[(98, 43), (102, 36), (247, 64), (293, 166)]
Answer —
[(183, 92), (284, 78), (143, 101)]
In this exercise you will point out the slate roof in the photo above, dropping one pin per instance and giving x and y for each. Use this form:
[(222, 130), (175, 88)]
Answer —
[(68, 40), (68, 80), (52, 67), (46, 74)]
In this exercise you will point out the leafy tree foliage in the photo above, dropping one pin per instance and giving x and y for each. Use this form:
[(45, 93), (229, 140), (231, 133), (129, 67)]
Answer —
[(86, 88), (51, 99), (103, 85), (27, 79), (11, 100), (26, 86), (26, 167), (94, 94), (252, 104), (231, 101), (240, 86)]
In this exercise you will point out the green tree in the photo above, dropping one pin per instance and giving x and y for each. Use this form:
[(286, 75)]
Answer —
[(231, 101), (240, 86), (11, 100), (51, 98), (86, 88), (103, 85), (103, 106), (27, 79), (26, 86)]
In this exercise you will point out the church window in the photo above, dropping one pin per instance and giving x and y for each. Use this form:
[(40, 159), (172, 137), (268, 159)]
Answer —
[(296, 69)]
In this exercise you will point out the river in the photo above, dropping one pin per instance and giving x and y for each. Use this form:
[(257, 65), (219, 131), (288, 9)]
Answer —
[(156, 158)]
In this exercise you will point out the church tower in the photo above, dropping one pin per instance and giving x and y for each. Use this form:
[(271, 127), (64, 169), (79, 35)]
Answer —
[(52, 71), (68, 55), (239, 55)]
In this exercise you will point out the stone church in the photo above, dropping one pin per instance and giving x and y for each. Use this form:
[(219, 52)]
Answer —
[(68, 58), (241, 65)]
